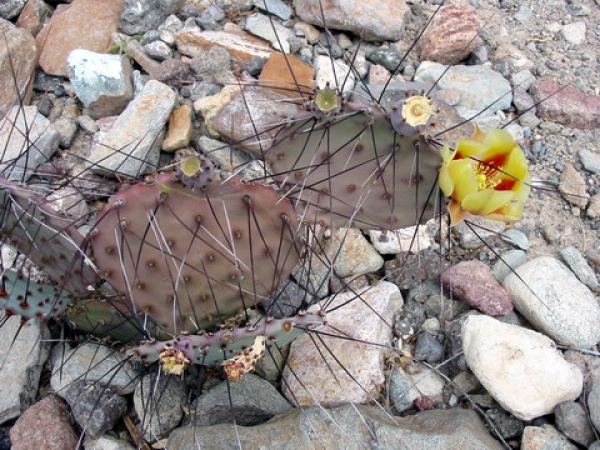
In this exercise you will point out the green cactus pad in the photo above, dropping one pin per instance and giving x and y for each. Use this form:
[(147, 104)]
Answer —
[(355, 168), (185, 257), (28, 299), (213, 348)]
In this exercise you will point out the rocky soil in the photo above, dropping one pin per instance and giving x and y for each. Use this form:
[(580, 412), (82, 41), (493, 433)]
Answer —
[(484, 336)]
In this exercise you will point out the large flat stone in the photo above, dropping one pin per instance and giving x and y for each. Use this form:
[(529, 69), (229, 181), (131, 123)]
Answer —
[(131, 147)]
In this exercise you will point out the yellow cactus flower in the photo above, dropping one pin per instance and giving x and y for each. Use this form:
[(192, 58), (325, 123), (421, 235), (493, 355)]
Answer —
[(486, 175)]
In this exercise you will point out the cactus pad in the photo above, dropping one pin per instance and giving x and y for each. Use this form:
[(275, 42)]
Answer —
[(28, 299), (187, 256), (214, 348), (354, 166), (48, 238)]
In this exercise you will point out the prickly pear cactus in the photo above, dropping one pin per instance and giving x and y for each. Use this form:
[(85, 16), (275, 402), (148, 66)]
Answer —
[(28, 299), (341, 162), (214, 348), (48, 238), (188, 255)]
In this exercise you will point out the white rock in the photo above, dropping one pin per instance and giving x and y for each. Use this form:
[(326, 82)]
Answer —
[(352, 254), (574, 33), (102, 82), (324, 74), (92, 362), (410, 239), (19, 131), (106, 443), (22, 356), (520, 368), (365, 316), (551, 297)]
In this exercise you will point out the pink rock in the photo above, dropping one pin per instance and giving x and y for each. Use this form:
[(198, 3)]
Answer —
[(452, 35), (566, 105), (33, 16), (86, 24), (18, 54), (45, 426), (473, 283)]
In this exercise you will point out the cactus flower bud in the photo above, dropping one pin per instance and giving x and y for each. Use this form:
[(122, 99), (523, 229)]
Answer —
[(486, 175)]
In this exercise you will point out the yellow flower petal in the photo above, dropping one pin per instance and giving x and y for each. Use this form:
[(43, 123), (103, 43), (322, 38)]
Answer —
[(462, 173), (485, 202)]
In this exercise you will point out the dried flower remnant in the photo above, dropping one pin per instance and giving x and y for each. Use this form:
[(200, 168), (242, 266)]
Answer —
[(486, 175), (173, 361), (245, 361)]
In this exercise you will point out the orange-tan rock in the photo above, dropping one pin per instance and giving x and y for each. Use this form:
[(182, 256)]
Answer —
[(289, 73), (86, 24)]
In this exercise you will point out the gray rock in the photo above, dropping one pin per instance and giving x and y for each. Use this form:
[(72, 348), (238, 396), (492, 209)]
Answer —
[(507, 263), (547, 294), (580, 267), (143, 15), (27, 140), (571, 418), (590, 160), (405, 388), (522, 100), (102, 82), (91, 362), (479, 86), (213, 66), (9, 9), (132, 146), (523, 79), (250, 401), (373, 20), (22, 356), (67, 129), (288, 301), (428, 348), (516, 238), (158, 50), (275, 7), (95, 407), (507, 426), (270, 30), (349, 427), (593, 403), (157, 401)]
